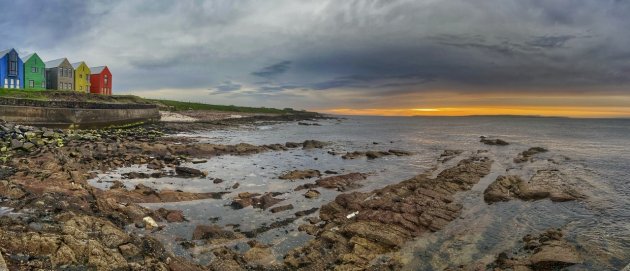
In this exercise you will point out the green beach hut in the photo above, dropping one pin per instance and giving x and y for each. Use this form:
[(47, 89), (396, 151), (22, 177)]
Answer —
[(34, 73)]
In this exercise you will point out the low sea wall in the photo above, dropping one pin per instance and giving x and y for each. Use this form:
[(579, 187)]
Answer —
[(75, 114)]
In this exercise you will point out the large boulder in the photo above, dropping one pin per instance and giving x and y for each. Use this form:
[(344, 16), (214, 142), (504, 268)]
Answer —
[(189, 172)]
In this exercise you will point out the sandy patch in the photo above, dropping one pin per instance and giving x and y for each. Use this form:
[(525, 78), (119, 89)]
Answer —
[(167, 116)]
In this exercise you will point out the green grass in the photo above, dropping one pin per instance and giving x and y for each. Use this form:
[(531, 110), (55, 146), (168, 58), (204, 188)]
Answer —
[(66, 95), (60, 95), (177, 105), (24, 94)]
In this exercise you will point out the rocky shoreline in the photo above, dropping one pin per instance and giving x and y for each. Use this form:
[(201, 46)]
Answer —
[(54, 219)]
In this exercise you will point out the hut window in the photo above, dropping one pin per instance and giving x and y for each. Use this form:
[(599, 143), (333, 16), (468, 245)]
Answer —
[(13, 64)]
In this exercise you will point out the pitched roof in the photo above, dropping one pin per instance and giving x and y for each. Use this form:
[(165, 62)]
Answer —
[(98, 69), (2, 53), (27, 57), (77, 64), (54, 63)]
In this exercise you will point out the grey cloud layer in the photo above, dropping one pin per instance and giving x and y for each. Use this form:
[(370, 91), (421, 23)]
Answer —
[(379, 48)]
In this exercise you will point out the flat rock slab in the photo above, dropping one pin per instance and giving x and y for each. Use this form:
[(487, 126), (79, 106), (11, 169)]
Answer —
[(300, 174)]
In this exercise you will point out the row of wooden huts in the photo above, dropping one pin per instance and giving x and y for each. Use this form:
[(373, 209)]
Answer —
[(31, 73)]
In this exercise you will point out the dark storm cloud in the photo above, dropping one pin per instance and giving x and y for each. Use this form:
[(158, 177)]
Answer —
[(46, 23), (362, 81), (365, 46), (550, 41), (273, 70)]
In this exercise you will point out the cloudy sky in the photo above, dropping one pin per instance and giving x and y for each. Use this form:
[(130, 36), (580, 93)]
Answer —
[(389, 57)]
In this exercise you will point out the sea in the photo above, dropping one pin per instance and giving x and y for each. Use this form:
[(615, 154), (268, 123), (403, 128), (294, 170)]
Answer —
[(593, 156)]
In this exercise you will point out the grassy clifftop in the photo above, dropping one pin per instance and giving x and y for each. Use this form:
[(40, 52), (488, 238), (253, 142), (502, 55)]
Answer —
[(177, 105), (56, 95)]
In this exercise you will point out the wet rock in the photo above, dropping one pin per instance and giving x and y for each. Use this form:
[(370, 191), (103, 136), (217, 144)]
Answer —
[(260, 255), (129, 250), (136, 175), (217, 180), (386, 235), (502, 189), (374, 154), (313, 220), (546, 251), (306, 212), (247, 199), (353, 155), (145, 194), (300, 174), (199, 161), (528, 154), (305, 186), (544, 184), (358, 227), (175, 217), (157, 175), (172, 216), (265, 228), (312, 194), (554, 255), (226, 259), (343, 182), (189, 172), (281, 208), (82, 241), (155, 164), (145, 190), (265, 201), (448, 155), (241, 203), (313, 144), (494, 142), (400, 152), (117, 185), (293, 145), (212, 232), (308, 228), (236, 185), (247, 195), (188, 244)]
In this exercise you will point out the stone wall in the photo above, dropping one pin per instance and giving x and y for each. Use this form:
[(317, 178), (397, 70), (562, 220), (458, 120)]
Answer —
[(76, 114), (72, 104)]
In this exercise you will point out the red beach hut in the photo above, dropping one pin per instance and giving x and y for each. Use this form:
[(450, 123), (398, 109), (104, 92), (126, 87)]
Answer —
[(100, 80)]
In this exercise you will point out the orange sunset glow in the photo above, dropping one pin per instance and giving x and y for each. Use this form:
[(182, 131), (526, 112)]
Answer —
[(579, 112)]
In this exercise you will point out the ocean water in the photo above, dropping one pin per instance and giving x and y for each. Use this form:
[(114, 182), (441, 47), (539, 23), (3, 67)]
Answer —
[(593, 155)]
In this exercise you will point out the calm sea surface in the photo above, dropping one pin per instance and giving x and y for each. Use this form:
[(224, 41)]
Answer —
[(593, 154)]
